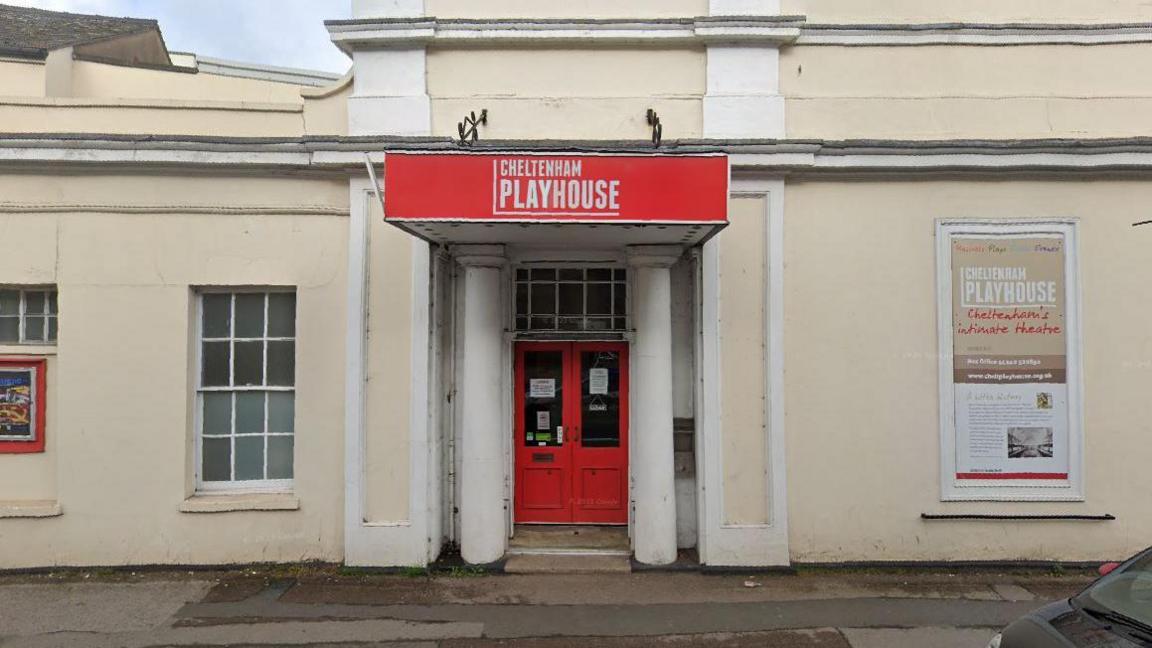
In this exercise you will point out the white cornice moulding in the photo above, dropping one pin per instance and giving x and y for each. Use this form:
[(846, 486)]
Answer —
[(370, 34), (974, 34)]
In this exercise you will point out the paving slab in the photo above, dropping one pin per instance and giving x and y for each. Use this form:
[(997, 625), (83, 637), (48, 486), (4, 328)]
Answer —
[(933, 637), (562, 564), (817, 638), (28, 609)]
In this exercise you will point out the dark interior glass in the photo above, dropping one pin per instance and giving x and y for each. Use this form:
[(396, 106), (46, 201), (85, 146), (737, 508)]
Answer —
[(543, 414), (543, 299), (571, 299), (600, 412)]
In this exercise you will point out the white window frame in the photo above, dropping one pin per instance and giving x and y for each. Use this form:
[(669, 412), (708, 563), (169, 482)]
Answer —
[(23, 316), (1071, 490), (245, 486)]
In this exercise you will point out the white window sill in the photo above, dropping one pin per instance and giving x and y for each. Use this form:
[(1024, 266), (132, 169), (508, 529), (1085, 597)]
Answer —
[(30, 509), (227, 502)]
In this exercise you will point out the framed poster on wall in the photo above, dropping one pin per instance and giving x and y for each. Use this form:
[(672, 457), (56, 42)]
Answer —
[(1010, 397), (22, 403)]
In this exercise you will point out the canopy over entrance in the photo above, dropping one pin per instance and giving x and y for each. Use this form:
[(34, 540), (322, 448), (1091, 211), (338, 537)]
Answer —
[(585, 201)]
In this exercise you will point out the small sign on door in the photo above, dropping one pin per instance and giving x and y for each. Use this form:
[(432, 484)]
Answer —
[(598, 381), (542, 388), (544, 420)]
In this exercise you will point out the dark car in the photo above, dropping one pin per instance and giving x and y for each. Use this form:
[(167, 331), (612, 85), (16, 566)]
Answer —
[(1113, 612)]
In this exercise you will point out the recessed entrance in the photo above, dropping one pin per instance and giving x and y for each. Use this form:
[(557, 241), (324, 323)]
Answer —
[(571, 433)]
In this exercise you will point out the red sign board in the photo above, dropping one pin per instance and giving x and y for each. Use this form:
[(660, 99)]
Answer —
[(570, 188)]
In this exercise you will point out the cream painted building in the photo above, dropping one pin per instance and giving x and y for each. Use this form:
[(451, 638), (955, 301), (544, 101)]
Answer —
[(858, 301)]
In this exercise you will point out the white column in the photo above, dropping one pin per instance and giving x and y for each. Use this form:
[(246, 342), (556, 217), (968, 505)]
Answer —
[(482, 532), (653, 468)]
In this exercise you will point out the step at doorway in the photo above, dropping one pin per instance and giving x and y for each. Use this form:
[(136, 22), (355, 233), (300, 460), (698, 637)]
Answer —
[(567, 539)]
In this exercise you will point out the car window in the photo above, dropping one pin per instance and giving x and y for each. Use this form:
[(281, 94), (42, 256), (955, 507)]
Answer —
[(1127, 590)]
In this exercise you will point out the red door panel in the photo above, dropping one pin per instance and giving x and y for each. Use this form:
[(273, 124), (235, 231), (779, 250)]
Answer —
[(571, 432)]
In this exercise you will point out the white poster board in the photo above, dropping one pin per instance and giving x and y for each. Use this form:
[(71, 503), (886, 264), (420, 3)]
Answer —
[(1009, 379)]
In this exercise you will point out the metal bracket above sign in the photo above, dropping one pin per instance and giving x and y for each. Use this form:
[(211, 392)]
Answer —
[(469, 128), (657, 127)]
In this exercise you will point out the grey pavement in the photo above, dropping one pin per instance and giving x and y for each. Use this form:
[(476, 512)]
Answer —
[(334, 607)]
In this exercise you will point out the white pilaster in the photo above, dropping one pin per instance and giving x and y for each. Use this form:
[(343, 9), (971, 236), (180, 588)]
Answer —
[(743, 92), (742, 7), (390, 93), (653, 467), (482, 530), (387, 8)]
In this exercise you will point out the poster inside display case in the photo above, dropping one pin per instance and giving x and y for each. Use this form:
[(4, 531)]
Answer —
[(22, 404), (1009, 380)]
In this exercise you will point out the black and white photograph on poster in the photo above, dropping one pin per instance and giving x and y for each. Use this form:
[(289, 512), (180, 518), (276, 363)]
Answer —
[(1029, 442)]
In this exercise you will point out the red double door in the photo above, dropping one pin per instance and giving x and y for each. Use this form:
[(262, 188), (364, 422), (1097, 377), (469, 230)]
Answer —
[(571, 432)]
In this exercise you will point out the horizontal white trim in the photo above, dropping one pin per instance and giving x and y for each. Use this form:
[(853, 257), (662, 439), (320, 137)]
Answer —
[(349, 35), (898, 156), (993, 35), (227, 210), (152, 104), (224, 503), (30, 509)]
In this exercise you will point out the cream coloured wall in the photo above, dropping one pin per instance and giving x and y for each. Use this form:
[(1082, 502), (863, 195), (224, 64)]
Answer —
[(22, 78), (568, 94), (326, 109), (966, 92), (977, 11), (152, 116), (743, 431), (566, 9), (124, 375), (99, 80), (861, 389)]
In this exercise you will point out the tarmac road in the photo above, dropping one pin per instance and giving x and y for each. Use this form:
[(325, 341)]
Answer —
[(334, 607)]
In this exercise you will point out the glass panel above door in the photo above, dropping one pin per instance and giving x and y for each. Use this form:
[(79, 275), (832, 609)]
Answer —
[(571, 299)]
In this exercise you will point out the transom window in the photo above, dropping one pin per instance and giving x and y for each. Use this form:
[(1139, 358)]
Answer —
[(571, 299), (247, 389), (28, 315)]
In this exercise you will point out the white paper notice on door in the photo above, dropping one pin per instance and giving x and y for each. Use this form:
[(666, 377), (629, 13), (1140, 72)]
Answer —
[(542, 388), (598, 381), (544, 420)]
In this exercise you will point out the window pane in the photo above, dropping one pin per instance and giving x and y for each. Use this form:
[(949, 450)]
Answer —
[(249, 412), (599, 299), (521, 323), (9, 302), (599, 274), (543, 323), (571, 299), (280, 457), (282, 363), (249, 458), (250, 316), (9, 329), (34, 302), (282, 315), (543, 274), (521, 274), (521, 299), (52, 303), (599, 323), (281, 414), (217, 416), (620, 324), (620, 274), (216, 464), (571, 274), (217, 315), (543, 299), (249, 369), (215, 361), (34, 329), (51, 329), (620, 299), (571, 323)]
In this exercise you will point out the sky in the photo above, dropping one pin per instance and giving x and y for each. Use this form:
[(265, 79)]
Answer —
[(288, 33)]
